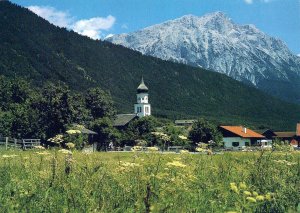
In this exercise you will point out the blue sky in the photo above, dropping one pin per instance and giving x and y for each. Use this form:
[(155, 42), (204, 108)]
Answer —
[(99, 18)]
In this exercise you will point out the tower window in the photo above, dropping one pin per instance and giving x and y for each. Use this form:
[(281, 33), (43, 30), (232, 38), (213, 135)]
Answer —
[(147, 109)]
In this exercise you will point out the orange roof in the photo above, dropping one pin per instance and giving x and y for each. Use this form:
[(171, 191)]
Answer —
[(298, 129), (240, 131)]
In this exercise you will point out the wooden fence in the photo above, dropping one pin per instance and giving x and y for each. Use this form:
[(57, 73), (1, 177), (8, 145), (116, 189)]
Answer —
[(19, 143)]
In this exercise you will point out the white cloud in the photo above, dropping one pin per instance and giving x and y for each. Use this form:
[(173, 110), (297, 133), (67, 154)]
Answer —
[(298, 55), (93, 27), (251, 1), (248, 1), (58, 18), (89, 27)]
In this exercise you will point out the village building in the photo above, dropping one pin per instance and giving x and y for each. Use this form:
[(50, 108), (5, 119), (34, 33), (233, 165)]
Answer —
[(268, 133), (142, 108), (123, 120), (237, 137), (291, 137)]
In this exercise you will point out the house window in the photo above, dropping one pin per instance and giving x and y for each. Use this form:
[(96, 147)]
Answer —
[(247, 144), (235, 144), (147, 109)]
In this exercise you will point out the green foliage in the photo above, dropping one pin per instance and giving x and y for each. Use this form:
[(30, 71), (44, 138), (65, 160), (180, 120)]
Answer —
[(28, 112), (55, 109), (203, 131), (78, 139), (178, 135), (283, 146), (6, 120), (140, 129), (32, 48), (100, 103), (106, 133)]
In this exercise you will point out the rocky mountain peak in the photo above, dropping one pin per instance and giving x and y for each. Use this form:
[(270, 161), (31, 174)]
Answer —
[(215, 42)]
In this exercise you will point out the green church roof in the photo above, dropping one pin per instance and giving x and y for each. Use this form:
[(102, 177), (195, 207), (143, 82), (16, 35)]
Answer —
[(142, 87)]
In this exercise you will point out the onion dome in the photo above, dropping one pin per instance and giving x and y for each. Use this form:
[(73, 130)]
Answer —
[(142, 88)]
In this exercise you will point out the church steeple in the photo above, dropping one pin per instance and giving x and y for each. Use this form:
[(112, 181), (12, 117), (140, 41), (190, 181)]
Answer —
[(142, 88), (142, 107)]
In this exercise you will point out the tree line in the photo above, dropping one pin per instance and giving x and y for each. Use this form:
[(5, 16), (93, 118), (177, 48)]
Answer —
[(31, 112)]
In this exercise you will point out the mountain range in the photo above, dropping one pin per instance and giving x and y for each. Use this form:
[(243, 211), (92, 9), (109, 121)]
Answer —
[(34, 49), (215, 42)]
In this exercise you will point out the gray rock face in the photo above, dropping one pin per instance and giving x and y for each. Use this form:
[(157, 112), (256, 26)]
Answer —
[(216, 43)]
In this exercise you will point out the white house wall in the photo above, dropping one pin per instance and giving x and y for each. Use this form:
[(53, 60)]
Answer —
[(228, 142)]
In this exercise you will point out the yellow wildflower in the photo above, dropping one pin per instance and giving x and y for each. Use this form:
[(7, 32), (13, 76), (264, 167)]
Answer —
[(251, 199), (43, 153), (39, 147), (199, 149), (260, 198), (247, 193), (128, 164), (234, 188), (184, 151), (255, 194), (182, 137), (70, 145), (176, 164), (152, 149), (9, 156), (57, 139), (242, 185), (268, 196), (136, 148), (73, 131), (64, 151)]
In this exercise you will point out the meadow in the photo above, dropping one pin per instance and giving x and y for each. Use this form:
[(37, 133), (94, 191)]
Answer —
[(61, 181)]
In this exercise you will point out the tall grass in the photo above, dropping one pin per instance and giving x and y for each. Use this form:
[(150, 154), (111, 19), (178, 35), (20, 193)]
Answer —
[(50, 181)]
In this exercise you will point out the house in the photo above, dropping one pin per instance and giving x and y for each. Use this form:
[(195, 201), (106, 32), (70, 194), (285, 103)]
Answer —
[(268, 133), (292, 137), (122, 120), (236, 137)]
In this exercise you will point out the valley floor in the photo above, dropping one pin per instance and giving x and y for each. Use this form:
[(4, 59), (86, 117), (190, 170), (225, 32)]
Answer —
[(55, 181)]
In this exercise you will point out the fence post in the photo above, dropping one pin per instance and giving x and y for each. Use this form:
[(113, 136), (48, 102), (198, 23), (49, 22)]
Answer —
[(24, 145), (15, 141), (6, 142)]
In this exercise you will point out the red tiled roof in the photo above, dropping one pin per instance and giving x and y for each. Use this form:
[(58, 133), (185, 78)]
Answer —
[(240, 131)]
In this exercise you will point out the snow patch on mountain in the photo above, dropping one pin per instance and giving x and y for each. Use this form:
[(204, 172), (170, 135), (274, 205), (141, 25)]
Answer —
[(216, 43)]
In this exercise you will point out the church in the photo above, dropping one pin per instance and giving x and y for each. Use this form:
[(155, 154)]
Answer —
[(142, 108)]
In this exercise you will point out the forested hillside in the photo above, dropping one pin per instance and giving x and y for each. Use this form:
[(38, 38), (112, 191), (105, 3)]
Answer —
[(32, 48)]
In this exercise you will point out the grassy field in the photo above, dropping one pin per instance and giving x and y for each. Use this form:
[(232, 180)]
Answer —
[(52, 181)]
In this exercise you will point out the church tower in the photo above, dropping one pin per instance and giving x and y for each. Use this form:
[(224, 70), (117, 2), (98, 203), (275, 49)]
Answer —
[(142, 107)]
